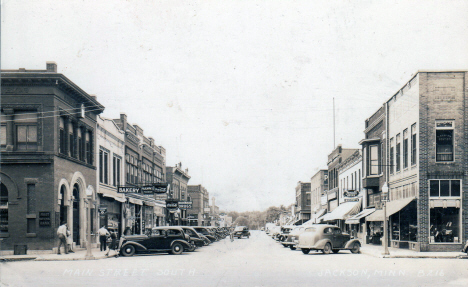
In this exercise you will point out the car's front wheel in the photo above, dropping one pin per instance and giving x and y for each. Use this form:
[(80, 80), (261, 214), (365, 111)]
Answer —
[(327, 248), (128, 250), (177, 249), (305, 251), (356, 248)]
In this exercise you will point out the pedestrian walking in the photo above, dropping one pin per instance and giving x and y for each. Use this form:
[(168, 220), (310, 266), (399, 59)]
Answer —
[(62, 236), (70, 241), (113, 245), (103, 233)]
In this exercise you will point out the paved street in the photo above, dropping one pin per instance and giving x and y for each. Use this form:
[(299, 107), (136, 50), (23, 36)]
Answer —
[(258, 261)]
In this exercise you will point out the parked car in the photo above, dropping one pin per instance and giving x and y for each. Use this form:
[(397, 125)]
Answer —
[(285, 230), (195, 238), (169, 239), (205, 232), (326, 238), (465, 248), (290, 239), (241, 231)]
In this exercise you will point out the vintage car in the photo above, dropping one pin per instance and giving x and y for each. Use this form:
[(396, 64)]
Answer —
[(241, 231), (326, 238), (171, 239), (285, 230), (292, 236), (205, 232), (195, 239)]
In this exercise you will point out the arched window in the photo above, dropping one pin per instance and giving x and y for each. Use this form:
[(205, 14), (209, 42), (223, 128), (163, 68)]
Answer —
[(3, 209)]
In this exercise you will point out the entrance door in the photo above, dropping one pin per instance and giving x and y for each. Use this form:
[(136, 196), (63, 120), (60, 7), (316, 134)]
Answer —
[(76, 214), (63, 208)]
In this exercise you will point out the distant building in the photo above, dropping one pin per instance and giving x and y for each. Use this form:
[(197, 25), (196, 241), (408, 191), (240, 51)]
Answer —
[(178, 180), (318, 189), (303, 202), (200, 212)]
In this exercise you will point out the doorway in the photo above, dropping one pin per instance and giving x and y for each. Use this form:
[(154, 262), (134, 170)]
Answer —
[(76, 214)]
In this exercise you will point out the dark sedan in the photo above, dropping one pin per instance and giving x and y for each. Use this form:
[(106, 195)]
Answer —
[(162, 239), (195, 238), (204, 231)]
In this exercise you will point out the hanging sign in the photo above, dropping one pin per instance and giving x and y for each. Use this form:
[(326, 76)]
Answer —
[(128, 189), (185, 204)]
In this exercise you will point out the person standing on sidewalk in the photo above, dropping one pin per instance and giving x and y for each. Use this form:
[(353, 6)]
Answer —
[(62, 235), (103, 233), (113, 245)]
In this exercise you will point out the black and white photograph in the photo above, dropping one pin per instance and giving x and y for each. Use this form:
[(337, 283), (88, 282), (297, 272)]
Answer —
[(234, 143)]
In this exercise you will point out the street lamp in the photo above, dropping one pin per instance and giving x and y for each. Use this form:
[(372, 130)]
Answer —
[(89, 195), (384, 201)]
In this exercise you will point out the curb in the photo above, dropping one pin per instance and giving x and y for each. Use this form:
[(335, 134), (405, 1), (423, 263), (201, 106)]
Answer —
[(416, 256), (38, 258)]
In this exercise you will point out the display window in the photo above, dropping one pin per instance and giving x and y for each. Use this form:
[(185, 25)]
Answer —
[(445, 225)]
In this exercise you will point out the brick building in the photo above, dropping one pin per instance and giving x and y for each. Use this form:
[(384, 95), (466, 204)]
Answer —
[(48, 129), (144, 164), (303, 202), (318, 188), (178, 180), (427, 134), (199, 214)]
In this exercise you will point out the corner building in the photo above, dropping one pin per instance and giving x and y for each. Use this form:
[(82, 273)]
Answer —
[(48, 130), (427, 163)]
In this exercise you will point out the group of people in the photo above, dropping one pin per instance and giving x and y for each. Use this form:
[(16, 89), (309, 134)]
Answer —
[(65, 239)]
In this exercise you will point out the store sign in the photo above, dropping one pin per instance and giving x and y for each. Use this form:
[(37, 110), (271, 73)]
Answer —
[(207, 209), (192, 216), (172, 204), (44, 219), (147, 189), (350, 193), (160, 187), (185, 204), (102, 210), (128, 189)]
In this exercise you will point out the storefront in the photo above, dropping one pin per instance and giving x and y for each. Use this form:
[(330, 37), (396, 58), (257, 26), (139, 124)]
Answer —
[(341, 213), (358, 224)]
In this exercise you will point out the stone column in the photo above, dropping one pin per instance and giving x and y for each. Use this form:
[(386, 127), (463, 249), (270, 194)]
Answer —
[(10, 133)]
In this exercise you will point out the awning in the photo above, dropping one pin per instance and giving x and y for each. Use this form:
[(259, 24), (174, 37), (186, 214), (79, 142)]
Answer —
[(356, 219), (112, 194), (135, 201), (314, 217), (343, 211), (392, 208), (299, 222)]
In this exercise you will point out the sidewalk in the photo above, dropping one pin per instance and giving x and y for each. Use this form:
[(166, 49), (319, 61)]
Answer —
[(376, 251), (78, 255)]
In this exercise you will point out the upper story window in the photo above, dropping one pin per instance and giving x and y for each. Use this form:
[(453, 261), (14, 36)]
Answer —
[(444, 140), (62, 140), (3, 131), (89, 154), (103, 166), (398, 153), (374, 159), (116, 170), (392, 155), (26, 130), (405, 148), (413, 144), (71, 140)]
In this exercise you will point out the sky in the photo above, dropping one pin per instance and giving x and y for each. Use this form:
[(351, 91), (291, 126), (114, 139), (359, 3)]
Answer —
[(240, 92)]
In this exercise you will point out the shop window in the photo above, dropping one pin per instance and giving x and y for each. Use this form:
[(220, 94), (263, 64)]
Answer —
[(444, 188), (445, 224), (444, 141), (398, 153), (413, 144), (3, 208), (392, 156), (405, 148), (26, 130)]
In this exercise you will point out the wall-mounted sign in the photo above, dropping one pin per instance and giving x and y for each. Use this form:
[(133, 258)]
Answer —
[(160, 187), (192, 216), (128, 189), (44, 219), (172, 204), (102, 210), (147, 189), (207, 209), (350, 193), (185, 204)]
